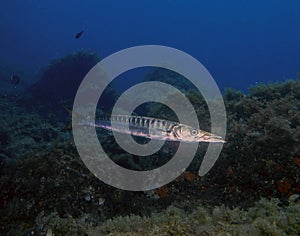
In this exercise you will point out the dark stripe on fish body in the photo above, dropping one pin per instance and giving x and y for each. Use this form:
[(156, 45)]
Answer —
[(142, 122), (153, 123), (135, 121), (146, 122), (170, 127)]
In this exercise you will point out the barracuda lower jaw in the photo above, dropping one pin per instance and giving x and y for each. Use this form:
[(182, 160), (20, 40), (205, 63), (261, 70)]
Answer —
[(217, 139)]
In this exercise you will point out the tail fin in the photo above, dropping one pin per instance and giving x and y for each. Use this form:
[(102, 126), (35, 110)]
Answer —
[(67, 109), (72, 113), (69, 125)]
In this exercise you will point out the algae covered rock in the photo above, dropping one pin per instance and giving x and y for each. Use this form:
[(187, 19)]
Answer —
[(60, 80)]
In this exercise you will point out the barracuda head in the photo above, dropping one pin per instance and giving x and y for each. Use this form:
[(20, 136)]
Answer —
[(187, 133)]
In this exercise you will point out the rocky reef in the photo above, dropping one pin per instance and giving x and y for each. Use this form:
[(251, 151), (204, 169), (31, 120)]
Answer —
[(61, 78), (58, 82), (253, 189)]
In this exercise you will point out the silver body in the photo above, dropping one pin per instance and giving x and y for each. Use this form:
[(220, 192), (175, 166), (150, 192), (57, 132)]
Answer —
[(153, 128)]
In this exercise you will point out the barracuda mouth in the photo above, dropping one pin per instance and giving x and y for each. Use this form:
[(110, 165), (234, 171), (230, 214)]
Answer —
[(216, 139), (203, 136)]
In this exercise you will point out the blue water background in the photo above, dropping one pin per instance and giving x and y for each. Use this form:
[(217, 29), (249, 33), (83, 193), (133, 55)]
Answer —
[(240, 42)]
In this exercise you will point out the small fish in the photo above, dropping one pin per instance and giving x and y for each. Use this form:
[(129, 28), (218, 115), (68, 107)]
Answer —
[(15, 80), (153, 128), (78, 35)]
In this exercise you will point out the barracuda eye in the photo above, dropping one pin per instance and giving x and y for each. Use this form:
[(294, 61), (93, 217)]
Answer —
[(194, 132)]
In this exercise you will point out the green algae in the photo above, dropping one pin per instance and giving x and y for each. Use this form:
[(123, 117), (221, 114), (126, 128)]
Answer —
[(266, 218)]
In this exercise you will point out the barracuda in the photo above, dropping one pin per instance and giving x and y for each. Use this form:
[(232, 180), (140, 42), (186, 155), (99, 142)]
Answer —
[(153, 128)]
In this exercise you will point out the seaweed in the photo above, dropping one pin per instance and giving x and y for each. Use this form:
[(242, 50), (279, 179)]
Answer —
[(45, 187), (265, 218)]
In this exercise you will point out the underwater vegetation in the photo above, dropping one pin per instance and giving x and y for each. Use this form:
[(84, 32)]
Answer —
[(263, 139), (253, 189), (265, 218)]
